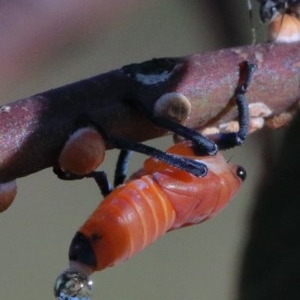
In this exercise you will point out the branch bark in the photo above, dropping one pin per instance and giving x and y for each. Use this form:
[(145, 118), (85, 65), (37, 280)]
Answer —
[(33, 130)]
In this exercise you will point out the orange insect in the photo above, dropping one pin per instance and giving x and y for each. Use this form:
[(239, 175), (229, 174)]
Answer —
[(159, 198)]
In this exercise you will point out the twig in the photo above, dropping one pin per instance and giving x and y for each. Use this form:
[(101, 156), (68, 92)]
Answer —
[(33, 130)]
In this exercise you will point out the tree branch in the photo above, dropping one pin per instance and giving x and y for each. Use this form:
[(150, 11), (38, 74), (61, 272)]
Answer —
[(33, 130)]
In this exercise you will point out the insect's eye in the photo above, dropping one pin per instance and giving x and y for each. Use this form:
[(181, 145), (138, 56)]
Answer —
[(241, 173)]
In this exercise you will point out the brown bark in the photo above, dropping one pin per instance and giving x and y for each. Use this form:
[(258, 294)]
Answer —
[(33, 130)]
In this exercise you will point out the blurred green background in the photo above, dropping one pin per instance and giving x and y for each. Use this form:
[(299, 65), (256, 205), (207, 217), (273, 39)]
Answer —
[(200, 262)]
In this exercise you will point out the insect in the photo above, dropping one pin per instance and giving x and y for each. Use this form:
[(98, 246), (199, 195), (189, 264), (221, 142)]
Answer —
[(137, 213), (159, 198), (271, 8), (283, 19)]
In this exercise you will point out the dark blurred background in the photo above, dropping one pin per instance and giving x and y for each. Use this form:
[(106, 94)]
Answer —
[(46, 44)]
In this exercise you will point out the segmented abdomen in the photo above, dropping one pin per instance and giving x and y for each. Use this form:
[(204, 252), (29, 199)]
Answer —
[(130, 218)]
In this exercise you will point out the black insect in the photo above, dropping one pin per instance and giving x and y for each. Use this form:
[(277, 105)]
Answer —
[(270, 8)]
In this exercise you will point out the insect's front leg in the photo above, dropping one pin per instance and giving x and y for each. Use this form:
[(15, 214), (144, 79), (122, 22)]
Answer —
[(231, 139)]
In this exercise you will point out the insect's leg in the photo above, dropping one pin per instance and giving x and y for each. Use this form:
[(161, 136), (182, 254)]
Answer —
[(232, 139), (65, 175), (205, 145), (99, 177), (121, 167), (192, 166)]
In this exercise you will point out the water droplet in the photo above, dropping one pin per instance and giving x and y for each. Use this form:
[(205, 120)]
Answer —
[(72, 285)]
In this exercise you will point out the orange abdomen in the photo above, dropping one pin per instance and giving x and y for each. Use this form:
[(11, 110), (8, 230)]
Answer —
[(130, 218)]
